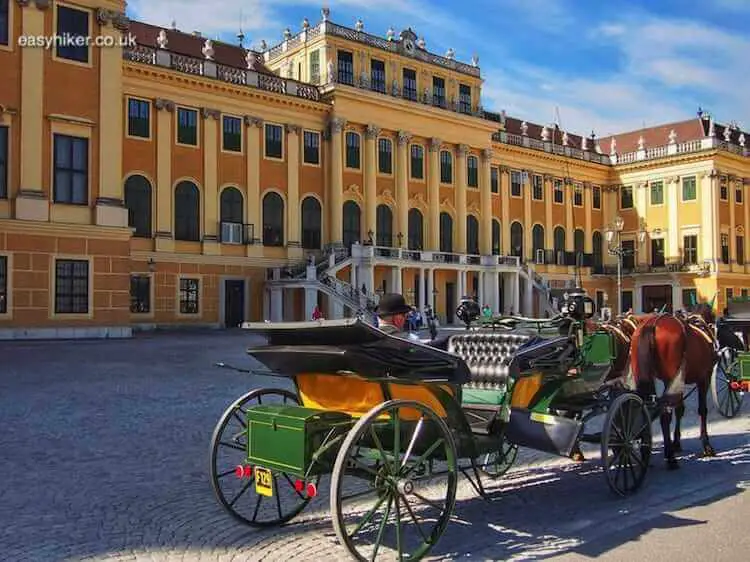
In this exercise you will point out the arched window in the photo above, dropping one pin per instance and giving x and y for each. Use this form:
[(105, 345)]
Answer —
[(472, 235), (559, 245), (537, 241), (416, 230), (187, 212), (138, 203), (311, 223), (496, 249), (516, 240), (596, 248), (446, 167), (352, 230), (231, 214), (578, 242), (384, 226), (273, 219), (446, 233)]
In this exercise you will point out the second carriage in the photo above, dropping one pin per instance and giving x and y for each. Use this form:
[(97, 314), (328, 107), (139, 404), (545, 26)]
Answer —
[(394, 423)]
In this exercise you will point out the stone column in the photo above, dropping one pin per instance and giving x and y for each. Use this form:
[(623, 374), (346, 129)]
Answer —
[(311, 299), (371, 170), (397, 279), (252, 197), (431, 288), (422, 289), (461, 152), (528, 297), (336, 184), (587, 203), (495, 288), (548, 224), (402, 187), (672, 200), (505, 208), (732, 224), (210, 180), (293, 215), (485, 203), (568, 187), (528, 249), (164, 191), (433, 197)]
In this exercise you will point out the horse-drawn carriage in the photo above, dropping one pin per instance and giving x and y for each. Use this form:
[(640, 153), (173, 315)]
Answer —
[(394, 422), (731, 378)]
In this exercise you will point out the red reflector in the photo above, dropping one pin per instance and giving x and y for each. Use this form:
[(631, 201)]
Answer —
[(299, 485), (247, 472), (239, 471), (312, 490)]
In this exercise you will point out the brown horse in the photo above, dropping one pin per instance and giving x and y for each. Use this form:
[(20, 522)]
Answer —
[(677, 350)]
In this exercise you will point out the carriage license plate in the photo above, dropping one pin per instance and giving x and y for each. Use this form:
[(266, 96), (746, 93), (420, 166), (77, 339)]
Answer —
[(263, 482)]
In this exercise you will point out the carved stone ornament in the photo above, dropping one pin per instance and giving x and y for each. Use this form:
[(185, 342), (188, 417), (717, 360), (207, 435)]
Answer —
[(208, 49), (287, 34), (613, 146), (435, 144), (103, 16), (524, 128), (372, 132), (462, 150), (209, 113), (252, 121), (337, 124), (727, 134), (161, 103), (711, 128), (565, 138), (161, 39), (390, 34), (291, 128), (359, 25), (545, 133), (403, 138), (487, 154), (672, 137), (305, 23), (450, 54), (587, 185), (547, 177), (741, 140), (504, 169), (641, 143), (584, 143), (325, 13)]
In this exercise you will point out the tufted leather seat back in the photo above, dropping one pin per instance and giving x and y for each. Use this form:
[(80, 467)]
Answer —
[(488, 355)]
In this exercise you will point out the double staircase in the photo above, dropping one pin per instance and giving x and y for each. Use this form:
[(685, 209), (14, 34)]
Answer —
[(543, 289)]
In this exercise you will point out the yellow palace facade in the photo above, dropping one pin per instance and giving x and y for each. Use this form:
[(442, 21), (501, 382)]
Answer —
[(167, 179)]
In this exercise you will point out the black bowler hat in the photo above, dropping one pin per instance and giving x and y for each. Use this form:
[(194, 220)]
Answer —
[(392, 303)]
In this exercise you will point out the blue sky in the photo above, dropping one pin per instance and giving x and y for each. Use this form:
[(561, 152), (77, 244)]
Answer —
[(609, 66)]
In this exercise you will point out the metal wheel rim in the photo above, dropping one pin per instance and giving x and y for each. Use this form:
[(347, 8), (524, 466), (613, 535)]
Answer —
[(627, 432), (389, 497), (239, 408), (727, 401), (497, 463)]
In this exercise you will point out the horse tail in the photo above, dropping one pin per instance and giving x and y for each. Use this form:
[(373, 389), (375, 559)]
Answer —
[(646, 359)]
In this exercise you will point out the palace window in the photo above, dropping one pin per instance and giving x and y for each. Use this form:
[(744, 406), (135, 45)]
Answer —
[(495, 237), (4, 22), (187, 126), (311, 151), (352, 150), (438, 91), (187, 212), (140, 294), (385, 156), (689, 297), (596, 197), (626, 197), (628, 255), (71, 170), (315, 67), (690, 249), (3, 284), (494, 180), (384, 226), (73, 26), (410, 84), (274, 137), (232, 133), (377, 76), (273, 219), (472, 235), (416, 229), (311, 223), (724, 189), (71, 287), (657, 193), (231, 214), (417, 162), (464, 98), (578, 195), (537, 188), (345, 67), (740, 242), (4, 162), (139, 118), (558, 196), (189, 296), (138, 204), (446, 233), (516, 183), (725, 248), (738, 194), (472, 171), (446, 167), (689, 192), (657, 252)]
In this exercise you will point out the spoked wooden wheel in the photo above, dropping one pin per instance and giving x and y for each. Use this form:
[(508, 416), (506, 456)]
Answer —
[(393, 486), (233, 480), (726, 371), (626, 444), (495, 464)]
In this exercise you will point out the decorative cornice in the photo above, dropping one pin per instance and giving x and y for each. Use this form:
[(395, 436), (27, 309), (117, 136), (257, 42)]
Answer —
[(587, 185), (252, 121), (372, 132), (337, 124), (165, 104), (548, 177), (103, 17), (291, 128), (42, 4), (504, 169), (487, 154), (23, 3), (462, 150), (435, 144), (209, 113), (403, 138)]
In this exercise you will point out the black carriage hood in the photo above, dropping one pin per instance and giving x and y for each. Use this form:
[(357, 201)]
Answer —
[(352, 346)]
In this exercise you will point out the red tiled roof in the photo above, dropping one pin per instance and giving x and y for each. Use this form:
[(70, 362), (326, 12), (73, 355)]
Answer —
[(190, 45)]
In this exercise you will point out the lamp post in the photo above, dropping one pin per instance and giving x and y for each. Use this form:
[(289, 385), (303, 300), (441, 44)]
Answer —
[(614, 248)]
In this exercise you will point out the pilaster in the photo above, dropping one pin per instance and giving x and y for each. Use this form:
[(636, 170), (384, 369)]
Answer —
[(732, 224), (252, 198), (164, 197), (293, 216), (505, 208), (710, 238), (671, 186), (527, 222), (433, 197), (336, 184), (569, 226), (210, 180), (548, 226), (588, 246), (485, 203), (371, 170), (402, 187), (461, 153)]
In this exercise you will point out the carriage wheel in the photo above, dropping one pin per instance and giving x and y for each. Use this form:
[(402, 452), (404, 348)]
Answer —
[(393, 486), (626, 444), (495, 464), (726, 371), (233, 485)]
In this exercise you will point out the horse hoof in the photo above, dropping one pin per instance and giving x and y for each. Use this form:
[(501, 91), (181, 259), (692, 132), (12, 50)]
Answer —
[(672, 464), (577, 457), (708, 451)]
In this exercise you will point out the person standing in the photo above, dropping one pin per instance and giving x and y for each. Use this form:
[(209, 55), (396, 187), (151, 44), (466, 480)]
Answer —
[(392, 312)]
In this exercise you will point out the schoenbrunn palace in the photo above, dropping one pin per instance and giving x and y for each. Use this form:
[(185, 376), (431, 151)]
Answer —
[(176, 180)]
